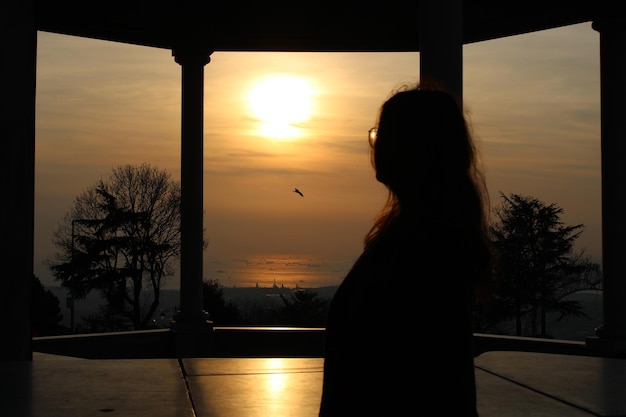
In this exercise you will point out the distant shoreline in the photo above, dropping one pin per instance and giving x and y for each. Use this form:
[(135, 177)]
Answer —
[(169, 299), (571, 328)]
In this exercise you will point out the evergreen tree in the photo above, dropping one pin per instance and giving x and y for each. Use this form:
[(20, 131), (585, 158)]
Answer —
[(213, 302), (45, 311), (536, 266), (304, 308)]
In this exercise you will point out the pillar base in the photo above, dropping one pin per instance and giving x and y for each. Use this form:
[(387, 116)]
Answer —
[(193, 337), (609, 342)]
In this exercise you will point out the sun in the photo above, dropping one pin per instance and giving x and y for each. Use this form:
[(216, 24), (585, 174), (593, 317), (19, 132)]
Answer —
[(280, 103)]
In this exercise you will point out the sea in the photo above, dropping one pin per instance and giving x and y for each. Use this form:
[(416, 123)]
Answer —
[(286, 270)]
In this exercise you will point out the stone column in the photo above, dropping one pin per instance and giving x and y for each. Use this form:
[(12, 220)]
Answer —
[(441, 44), (611, 336), (17, 167), (191, 325)]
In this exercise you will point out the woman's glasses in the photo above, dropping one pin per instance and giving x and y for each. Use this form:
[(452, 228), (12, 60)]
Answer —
[(371, 135)]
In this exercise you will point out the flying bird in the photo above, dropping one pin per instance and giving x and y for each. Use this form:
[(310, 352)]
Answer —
[(299, 192)]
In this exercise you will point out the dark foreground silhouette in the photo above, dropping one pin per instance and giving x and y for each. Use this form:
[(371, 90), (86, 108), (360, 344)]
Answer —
[(390, 352)]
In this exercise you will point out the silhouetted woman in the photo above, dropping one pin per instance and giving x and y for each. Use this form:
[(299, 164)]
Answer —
[(399, 330)]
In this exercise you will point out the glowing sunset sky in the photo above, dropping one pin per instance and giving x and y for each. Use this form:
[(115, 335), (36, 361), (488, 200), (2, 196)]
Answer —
[(534, 103)]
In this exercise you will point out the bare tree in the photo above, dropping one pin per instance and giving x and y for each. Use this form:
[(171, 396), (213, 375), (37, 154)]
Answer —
[(123, 234)]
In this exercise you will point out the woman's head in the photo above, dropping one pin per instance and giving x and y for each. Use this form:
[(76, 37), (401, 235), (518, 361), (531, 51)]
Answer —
[(424, 154), (422, 139)]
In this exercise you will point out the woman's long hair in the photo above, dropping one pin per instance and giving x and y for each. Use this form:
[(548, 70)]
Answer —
[(425, 155)]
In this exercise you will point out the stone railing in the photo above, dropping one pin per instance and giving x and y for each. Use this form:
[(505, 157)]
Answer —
[(259, 342)]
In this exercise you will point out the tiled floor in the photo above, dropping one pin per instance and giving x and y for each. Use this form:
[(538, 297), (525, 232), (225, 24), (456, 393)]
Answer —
[(509, 384)]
